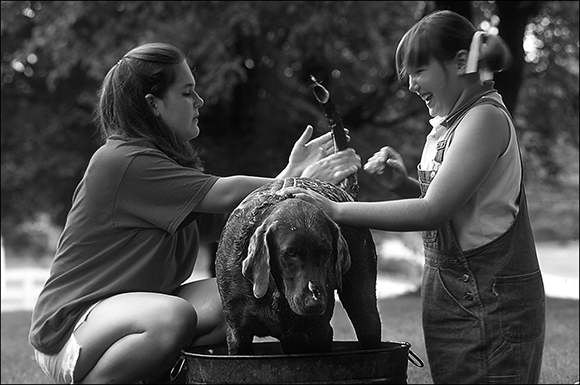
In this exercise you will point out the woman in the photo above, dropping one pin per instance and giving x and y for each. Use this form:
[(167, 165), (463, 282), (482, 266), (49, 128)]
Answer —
[(483, 296), (115, 308)]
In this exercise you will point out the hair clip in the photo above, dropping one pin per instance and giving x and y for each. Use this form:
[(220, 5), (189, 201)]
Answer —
[(473, 56)]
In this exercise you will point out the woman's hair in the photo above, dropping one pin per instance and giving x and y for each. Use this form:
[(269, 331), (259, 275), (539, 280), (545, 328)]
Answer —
[(440, 35), (122, 109)]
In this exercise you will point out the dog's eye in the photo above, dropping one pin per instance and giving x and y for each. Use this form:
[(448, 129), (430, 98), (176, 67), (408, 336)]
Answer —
[(290, 253)]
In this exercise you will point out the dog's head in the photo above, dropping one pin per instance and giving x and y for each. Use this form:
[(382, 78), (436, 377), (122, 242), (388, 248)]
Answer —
[(297, 243)]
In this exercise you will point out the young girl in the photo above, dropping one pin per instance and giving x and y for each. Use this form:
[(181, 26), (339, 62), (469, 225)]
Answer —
[(114, 308), (483, 296)]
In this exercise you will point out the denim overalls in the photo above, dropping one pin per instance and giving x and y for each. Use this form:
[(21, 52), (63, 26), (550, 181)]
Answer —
[(483, 309)]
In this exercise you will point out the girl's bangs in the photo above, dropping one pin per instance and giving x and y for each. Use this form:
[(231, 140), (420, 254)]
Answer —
[(414, 51)]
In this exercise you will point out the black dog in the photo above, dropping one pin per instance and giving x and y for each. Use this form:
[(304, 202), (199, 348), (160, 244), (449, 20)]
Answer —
[(278, 263)]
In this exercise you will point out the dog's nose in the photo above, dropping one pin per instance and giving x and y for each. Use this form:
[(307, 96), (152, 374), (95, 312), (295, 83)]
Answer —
[(314, 290), (310, 301)]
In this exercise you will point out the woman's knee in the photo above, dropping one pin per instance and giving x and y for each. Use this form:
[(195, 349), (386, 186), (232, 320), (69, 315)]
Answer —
[(167, 321), (175, 323), (134, 322)]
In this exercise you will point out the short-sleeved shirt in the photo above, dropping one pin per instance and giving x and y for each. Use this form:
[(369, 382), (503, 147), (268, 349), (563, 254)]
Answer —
[(132, 228)]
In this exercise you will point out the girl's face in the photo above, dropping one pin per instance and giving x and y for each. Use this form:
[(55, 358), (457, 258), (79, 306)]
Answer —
[(179, 107), (437, 84)]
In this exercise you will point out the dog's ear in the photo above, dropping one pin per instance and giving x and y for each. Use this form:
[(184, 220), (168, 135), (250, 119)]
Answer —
[(256, 265), (342, 254)]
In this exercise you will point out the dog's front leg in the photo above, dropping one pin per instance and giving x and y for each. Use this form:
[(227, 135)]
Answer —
[(316, 338), (295, 343), (320, 338), (239, 342)]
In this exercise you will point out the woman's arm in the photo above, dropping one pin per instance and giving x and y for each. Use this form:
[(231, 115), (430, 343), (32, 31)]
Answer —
[(308, 159), (228, 192)]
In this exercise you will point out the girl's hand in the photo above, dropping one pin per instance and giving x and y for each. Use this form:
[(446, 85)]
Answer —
[(388, 163), (311, 197)]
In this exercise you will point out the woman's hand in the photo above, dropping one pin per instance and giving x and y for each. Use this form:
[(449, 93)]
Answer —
[(334, 168), (307, 153), (388, 163)]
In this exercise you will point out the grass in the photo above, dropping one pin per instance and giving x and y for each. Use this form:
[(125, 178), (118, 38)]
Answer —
[(401, 322), (401, 318), (554, 216)]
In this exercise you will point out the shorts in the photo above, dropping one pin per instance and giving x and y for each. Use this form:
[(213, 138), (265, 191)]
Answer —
[(60, 367)]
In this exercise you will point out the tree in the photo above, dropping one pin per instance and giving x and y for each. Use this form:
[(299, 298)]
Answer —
[(253, 64)]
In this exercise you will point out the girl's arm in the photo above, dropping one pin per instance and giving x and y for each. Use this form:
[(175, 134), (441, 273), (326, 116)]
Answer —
[(480, 139)]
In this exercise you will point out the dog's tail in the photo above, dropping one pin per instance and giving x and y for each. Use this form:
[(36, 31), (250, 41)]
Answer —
[(350, 184)]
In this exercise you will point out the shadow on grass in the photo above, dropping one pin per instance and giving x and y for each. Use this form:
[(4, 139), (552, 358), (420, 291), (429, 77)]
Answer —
[(401, 318)]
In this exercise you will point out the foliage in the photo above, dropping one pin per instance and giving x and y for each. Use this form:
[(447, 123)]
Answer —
[(253, 63), (548, 112)]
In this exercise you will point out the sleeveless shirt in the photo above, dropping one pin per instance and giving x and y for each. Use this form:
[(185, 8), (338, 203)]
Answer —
[(493, 207)]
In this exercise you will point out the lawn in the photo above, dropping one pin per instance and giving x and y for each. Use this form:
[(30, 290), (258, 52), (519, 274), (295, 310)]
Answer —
[(401, 322), (401, 318)]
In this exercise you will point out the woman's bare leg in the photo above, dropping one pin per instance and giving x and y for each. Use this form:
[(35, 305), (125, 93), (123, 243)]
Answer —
[(132, 336), (204, 297)]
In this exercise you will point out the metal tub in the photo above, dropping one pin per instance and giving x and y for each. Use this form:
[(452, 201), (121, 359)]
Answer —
[(346, 364)]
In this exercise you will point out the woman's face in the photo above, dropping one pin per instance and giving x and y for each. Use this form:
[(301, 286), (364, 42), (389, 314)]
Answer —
[(179, 107), (437, 85)]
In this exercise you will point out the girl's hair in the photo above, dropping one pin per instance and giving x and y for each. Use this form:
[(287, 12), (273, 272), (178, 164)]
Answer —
[(440, 35), (122, 109)]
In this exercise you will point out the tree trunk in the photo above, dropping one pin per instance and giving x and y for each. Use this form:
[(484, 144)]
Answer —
[(514, 17)]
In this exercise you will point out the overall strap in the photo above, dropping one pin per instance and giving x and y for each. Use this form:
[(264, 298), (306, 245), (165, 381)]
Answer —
[(453, 121)]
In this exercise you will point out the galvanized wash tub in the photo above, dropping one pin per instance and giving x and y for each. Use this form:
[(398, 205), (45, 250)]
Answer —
[(346, 364)]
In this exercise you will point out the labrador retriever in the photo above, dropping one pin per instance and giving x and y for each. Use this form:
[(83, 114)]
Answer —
[(278, 264)]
